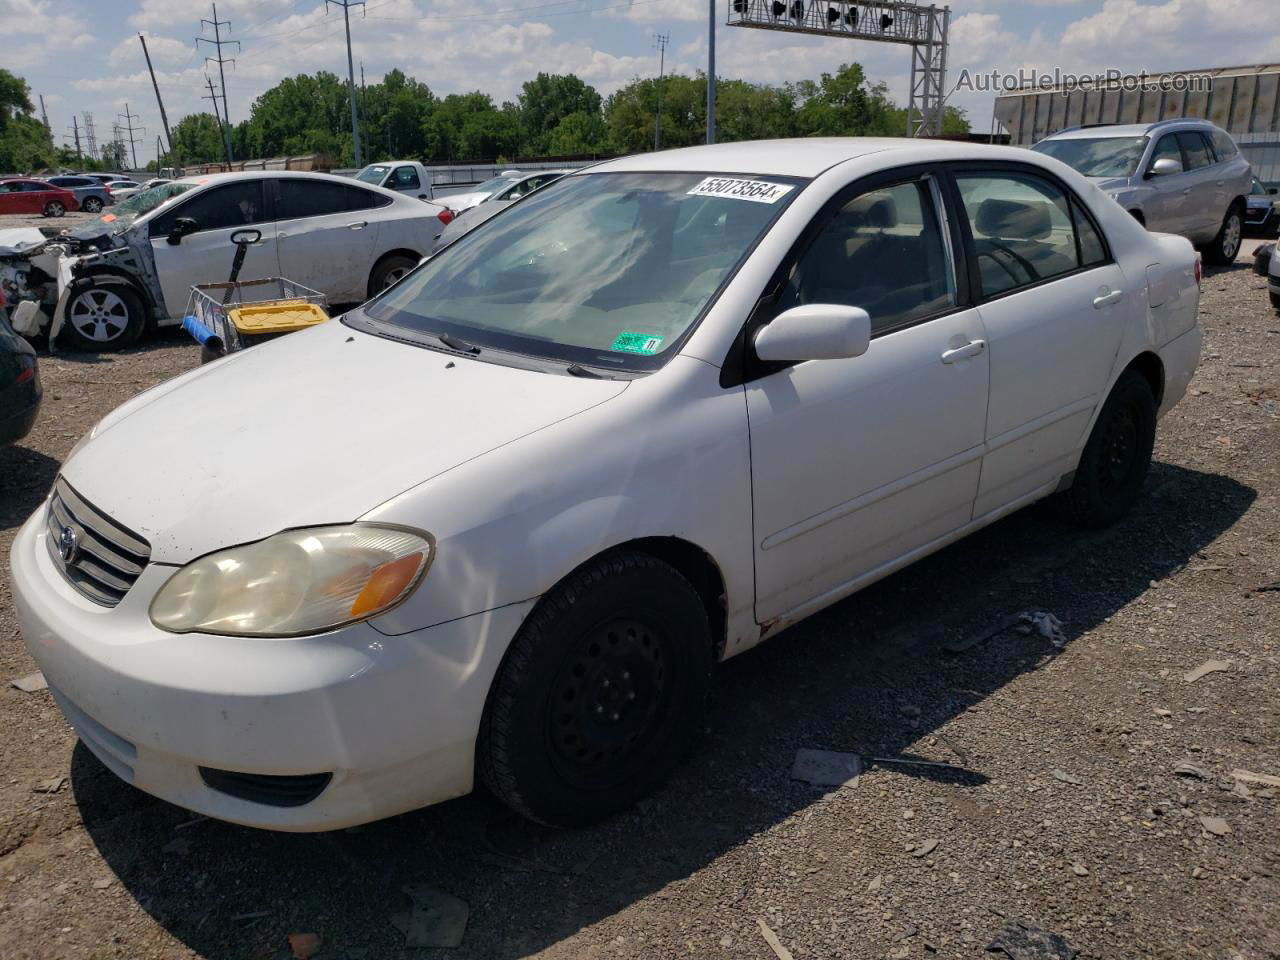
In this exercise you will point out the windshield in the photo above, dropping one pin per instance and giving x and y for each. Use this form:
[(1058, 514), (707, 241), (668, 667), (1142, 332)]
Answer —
[(1097, 157), (605, 269), (374, 173), (144, 201), (494, 185)]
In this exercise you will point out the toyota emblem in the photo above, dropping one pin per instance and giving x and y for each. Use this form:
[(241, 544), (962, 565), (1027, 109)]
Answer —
[(68, 545)]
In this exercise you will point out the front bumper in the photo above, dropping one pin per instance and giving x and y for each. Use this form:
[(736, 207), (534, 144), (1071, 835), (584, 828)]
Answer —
[(393, 719)]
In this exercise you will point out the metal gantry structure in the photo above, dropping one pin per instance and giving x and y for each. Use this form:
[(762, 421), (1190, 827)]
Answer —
[(923, 28)]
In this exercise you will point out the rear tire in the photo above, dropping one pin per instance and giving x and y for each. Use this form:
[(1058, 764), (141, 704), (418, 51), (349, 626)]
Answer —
[(102, 316), (1116, 458), (600, 690), (1137, 215), (55, 208), (1226, 245), (389, 270), (1275, 301), (91, 205)]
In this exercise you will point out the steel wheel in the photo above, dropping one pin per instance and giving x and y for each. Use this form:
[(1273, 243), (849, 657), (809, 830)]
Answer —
[(99, 315), (1119, 448), (394, 276)]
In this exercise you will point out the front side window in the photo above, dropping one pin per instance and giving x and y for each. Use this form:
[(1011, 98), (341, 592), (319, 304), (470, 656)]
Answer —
[(1196, 149), (1167, 149), (884, 252), (237, 204), (406, 179), (610, 269), (1023, 231), (1097, 156)]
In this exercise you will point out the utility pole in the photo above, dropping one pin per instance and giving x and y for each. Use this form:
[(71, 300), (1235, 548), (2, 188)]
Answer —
[(163, 116), (128, 119), (75, 127), (346, 6), (218, 42), (226, 140), (43, 115), (661, 40), (364, 112), (159, 153), (711, 73)]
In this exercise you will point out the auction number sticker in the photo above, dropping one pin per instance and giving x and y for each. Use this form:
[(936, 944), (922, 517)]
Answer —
[(757, 191), (645, 344)]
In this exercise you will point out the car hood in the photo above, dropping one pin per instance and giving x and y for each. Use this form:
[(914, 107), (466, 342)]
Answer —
[(315, 428)]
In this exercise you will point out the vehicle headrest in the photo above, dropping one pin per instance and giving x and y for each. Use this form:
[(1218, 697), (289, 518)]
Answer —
[(1013, 219), (871, 210)]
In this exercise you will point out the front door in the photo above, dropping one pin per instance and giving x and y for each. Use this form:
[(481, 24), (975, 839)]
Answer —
[(206, 255), (855, 463), (1169, 208), (1054, 305)]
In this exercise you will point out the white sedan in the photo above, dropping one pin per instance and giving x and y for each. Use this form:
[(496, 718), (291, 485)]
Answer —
[(503, 520), (347, 240)]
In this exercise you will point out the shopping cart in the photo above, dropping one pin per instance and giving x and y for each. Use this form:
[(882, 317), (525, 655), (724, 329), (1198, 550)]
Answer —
[(226, 317)]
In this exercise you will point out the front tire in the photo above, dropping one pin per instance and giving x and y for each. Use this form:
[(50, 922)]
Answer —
[(55, 208), (1116, 458), (102, 317), (91, 205), (1226, 245), (602, 686)]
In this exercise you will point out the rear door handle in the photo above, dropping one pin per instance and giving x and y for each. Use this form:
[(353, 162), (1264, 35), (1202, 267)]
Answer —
[(1107, 299), (358, 225), (970, 349)]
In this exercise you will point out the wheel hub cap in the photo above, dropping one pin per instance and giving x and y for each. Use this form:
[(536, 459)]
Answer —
[(99, 315)]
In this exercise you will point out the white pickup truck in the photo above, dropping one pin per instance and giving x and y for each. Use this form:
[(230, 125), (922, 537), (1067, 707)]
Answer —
[(404, 176)]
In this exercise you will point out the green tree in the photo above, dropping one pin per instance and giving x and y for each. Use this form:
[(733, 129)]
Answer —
[(578, 134), (198, 137), (25, 143), (548, 99), (630, 113)]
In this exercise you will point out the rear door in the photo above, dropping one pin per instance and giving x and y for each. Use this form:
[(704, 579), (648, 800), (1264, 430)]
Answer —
[(1206, 203), (1054, 304), (205, 256), (327, 235)]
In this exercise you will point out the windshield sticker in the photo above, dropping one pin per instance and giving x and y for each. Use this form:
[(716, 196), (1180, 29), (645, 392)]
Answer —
[(757, 191), (645, 344)]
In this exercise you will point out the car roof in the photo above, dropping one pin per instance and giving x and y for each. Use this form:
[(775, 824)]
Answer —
[(799, 157), (1096, 130), (212, 178)]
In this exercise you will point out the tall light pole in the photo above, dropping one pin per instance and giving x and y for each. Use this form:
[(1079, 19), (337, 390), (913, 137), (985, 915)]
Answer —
[(346, 6), (661, 40), (711, 72)]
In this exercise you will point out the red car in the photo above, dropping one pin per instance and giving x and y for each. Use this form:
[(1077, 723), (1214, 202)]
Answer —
[(22, 195)]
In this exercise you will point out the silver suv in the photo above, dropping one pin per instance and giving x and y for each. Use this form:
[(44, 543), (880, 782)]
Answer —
[(1175, 176)]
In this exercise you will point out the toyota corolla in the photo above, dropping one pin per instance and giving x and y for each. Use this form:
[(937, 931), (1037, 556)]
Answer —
[(502, 521)]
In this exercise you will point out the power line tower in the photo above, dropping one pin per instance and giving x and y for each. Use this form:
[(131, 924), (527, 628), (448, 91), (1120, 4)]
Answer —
[(114, 151), (226, 139), (346, 6), (219, 43), (75, 128), (44, 115), (90, 137), (128, 119), (660, 40)]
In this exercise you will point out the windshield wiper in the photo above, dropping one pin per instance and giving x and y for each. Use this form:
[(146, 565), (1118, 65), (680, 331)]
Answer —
[(457, 343), (578, 370)]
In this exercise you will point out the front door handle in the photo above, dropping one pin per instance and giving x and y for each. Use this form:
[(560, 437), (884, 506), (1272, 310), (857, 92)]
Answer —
[(970, 349), (358, 225), (281, 235), (1107, 299)]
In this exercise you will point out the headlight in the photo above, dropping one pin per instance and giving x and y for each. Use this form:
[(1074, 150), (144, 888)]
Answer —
[(297, 582)]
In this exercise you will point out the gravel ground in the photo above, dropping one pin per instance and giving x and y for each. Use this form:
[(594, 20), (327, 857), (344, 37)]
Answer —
[(1061, 810), (51, 226)]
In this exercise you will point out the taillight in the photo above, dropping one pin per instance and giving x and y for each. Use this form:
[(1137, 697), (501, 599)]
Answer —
[(1199, 270), (106, 190), (445, 216), (28, 371)]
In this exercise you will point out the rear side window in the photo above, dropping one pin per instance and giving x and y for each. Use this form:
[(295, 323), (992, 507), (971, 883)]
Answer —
[(884, 252), (1224, 145), (1023, 229), (318, 198), (1196, 148), (1167, 149), (230, 205)]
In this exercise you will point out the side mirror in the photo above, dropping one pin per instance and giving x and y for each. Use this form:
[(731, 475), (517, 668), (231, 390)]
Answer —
[(1164, 167), (817, 331), (1273, 190), (181, 228)]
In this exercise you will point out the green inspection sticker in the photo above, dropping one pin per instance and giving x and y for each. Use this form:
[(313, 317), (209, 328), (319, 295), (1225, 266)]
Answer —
[(645, 344)]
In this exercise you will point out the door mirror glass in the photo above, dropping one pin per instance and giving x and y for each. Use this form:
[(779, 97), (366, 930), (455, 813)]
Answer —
[(1273, 191), (182, 227), (1165, 166), (815, 331)]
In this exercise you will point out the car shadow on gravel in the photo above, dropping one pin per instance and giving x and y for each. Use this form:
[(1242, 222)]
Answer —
[(869, 675), (25, 478)]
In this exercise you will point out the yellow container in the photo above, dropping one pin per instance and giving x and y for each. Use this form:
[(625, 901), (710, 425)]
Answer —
[(282, 316)]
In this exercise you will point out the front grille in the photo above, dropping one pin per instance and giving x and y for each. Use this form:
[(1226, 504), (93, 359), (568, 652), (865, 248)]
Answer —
[(265, 788), (101, 558)]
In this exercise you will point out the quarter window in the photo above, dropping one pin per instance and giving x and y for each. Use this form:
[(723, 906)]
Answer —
[(884, 252), (1196, 149), (1225, 146), (1023, 230)]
